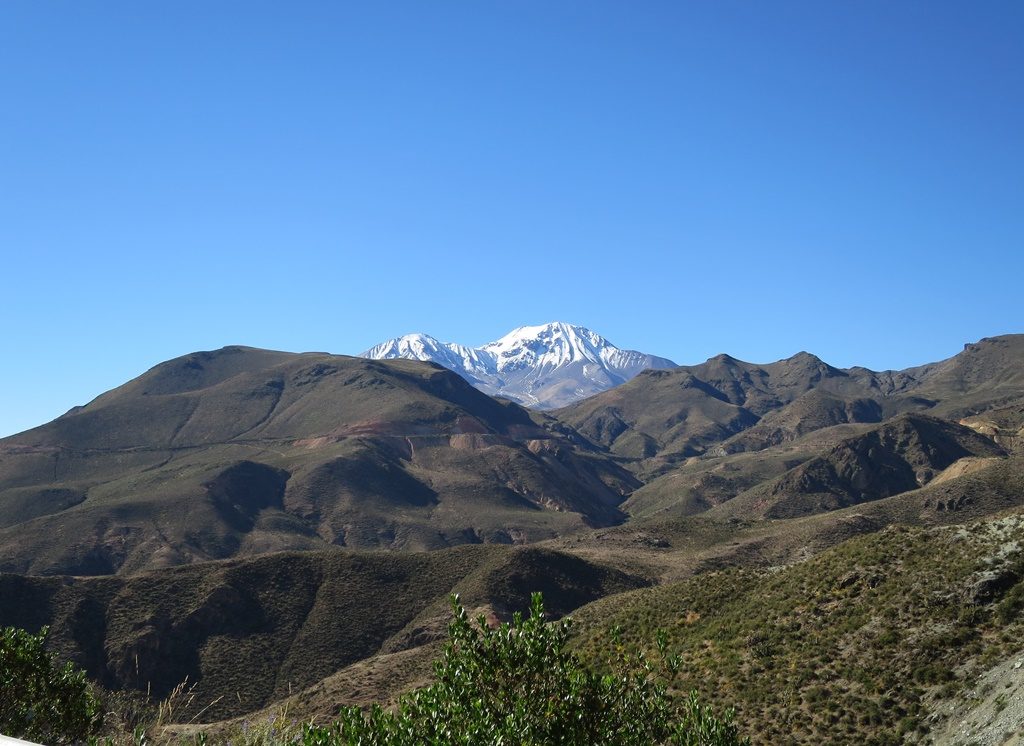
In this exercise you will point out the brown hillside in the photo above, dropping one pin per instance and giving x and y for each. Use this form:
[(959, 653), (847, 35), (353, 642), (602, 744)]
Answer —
[(900, 455), (242, 451), (248, 632)]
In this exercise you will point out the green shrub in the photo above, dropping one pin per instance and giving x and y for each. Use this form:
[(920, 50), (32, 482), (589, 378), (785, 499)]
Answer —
[(1011, 605), (40, 700), (517, 684)]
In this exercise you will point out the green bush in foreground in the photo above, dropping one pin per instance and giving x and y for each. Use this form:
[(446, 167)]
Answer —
[(39, 700), (517, 684)]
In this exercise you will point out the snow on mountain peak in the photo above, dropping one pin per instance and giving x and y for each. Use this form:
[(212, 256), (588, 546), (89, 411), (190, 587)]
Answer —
[(409, 344), (544, 366), (549, 346)]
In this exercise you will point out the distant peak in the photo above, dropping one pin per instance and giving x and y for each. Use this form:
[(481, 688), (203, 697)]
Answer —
[(557, 342), (420, 337), (555, 326), (541, 365), (414, 336), (723, 358), (416, 345), (552, 328), (803, 357)]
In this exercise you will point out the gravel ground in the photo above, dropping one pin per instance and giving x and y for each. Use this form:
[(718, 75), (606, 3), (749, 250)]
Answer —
[(992, 713)]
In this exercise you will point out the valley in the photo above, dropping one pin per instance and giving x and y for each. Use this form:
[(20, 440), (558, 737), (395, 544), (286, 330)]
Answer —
[(834, 552)]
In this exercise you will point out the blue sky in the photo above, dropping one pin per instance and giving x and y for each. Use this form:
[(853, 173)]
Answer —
[(686, 178)]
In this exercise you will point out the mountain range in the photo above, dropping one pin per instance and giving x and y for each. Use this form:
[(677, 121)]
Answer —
[(230, 515), (241, 451), (544, 367)]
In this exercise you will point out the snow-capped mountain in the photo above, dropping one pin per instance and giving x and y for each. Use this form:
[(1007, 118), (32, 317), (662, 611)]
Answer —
[(539, 366)]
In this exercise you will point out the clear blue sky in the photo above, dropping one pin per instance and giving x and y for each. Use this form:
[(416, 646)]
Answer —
[(686, 178)]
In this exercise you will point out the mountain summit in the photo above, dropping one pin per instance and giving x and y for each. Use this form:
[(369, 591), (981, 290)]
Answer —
[(546, 366)]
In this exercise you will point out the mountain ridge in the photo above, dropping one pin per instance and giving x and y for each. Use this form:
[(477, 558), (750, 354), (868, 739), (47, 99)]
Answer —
[(242, 451), (726, 405), (237, 465), (544, 367)]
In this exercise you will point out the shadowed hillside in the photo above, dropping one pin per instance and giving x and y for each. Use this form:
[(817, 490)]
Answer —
[(900, 455), (243, 451), (988, 374), (663, 547), (248, 632), (725, 405)]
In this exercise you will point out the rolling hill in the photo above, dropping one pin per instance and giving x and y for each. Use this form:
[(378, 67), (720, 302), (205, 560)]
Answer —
[(248, 632), (872, 641), (242, 451), (898, 456), (724, 405)]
